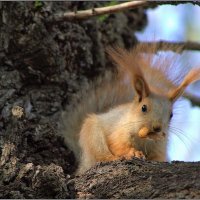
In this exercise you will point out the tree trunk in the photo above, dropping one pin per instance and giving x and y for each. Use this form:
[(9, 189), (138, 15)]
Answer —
[(42, 66)]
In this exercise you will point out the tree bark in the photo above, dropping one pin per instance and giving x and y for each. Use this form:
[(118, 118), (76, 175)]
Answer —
[(41, 68), (138, 179)]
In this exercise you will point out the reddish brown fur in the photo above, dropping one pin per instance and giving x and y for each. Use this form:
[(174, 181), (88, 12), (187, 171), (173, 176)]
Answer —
[(191, 77), (112, 133), (121, 146)]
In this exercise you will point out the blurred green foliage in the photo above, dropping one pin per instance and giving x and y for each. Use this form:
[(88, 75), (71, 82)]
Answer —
[(38, 4), (102, 18)]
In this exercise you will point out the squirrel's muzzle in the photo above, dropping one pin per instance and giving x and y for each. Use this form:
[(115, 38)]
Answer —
[(157, 128), (145, 132)]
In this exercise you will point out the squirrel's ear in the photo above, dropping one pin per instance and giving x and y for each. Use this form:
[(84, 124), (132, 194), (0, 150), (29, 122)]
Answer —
[(191, 77), (141, 87)]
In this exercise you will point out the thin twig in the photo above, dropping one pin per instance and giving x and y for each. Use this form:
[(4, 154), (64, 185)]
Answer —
[(85, 14), (195, 100), (173, 46)]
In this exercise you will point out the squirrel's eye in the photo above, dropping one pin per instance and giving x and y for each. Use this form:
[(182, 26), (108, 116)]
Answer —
[(171, 115), (144, 108)]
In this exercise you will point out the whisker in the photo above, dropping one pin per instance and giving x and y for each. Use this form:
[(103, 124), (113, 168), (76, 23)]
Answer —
[(183, 122), (181, 139), (181, 132), (129, 124), (177, 133), (190, 140)]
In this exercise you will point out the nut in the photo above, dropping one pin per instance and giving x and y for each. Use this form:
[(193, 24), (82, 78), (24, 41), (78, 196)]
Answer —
[(143, 132)]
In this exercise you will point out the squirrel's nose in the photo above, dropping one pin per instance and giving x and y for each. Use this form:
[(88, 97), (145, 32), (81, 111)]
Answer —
[(157, 128)]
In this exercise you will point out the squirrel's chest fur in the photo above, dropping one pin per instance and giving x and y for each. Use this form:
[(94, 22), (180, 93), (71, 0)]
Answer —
[(121, 131)]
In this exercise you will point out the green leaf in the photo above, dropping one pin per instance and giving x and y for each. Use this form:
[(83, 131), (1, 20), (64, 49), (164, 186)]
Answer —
[(110, 3), (38, 4), (102, 18)]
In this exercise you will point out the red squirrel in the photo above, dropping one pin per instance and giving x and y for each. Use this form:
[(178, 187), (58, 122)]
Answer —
[(128, 113)]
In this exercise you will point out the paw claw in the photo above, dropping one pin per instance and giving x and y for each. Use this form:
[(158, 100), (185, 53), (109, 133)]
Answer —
[(134, 153), (139, 154)]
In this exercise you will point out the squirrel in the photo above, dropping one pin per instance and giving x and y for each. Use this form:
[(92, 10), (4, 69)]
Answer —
[(126, 113)]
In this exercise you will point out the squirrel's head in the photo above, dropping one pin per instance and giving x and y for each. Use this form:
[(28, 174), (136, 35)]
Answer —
[(153, 111), (152, 106)]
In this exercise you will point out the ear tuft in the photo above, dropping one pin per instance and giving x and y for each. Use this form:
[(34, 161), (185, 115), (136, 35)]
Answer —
[(129, 65), (190, 78)]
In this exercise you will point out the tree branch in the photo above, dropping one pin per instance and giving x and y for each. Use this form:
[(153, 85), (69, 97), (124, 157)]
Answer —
[(195, 100), (85, 14), (173, 46), (138, 179)]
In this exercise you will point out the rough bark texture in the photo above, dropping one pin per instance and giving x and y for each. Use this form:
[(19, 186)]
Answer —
[(42, 66), (137, 179)]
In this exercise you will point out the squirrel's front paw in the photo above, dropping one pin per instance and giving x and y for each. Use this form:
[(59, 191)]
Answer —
[(139, 154), (134, 153)]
